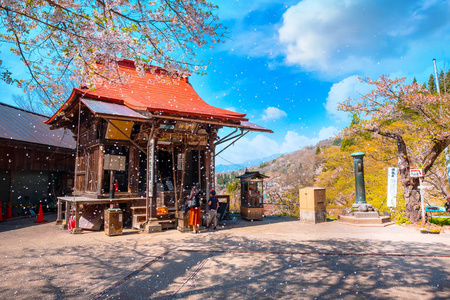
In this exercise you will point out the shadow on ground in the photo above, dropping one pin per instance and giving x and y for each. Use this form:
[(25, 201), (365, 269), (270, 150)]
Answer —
[(225, 266)]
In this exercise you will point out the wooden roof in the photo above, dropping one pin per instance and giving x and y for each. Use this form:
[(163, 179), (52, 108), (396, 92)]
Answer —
[(20, 125), (155, 92), (252, 175)]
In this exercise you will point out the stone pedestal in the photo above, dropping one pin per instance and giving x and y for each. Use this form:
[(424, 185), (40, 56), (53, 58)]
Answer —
[(183, 221), (77, 230), (152, 227), (365, 219)]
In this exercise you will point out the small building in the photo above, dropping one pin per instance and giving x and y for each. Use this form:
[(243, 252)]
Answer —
[(252, 195), (36, 163), (144, 144)]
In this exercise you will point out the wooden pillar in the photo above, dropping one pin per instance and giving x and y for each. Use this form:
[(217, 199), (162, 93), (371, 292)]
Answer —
[(87, 168), (152, 224), (67, 214), (100, 175), (208, 168), (199, 168), (59, 213), (11, 182), (154, 182), (207, 173), (111, 184), (77, 228), (133, 170), (151, 180), (209, 163), (212, 151)]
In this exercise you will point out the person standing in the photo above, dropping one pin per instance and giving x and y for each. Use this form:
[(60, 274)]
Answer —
[(447, 204), (194, 210), (213, 206)]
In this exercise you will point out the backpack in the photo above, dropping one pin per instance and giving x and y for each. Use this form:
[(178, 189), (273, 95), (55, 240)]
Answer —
[(195, 202)]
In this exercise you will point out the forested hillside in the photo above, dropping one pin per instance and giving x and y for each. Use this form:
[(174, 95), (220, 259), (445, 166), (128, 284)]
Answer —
[(408, 129)]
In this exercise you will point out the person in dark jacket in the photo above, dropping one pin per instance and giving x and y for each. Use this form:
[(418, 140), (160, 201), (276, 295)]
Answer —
[(213, 206)]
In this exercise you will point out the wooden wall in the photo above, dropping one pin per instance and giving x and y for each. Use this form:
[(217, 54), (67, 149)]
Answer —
[(23, 156)]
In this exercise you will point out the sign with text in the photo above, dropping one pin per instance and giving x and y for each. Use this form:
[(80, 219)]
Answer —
[(416, 173), (186, 126), (392, 187), (114, 162)]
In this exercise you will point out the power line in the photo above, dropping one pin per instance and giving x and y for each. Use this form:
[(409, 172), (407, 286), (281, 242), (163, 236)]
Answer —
[(231, 162)]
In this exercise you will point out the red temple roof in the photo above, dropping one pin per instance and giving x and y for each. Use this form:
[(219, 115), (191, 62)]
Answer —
[(148, 93)]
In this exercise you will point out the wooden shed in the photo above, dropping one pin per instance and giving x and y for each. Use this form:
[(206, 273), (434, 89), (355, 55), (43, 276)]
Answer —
[(144, 144), (36, 164), (252, 195)]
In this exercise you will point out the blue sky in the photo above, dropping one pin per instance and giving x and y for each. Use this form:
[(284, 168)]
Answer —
[(288, 64)]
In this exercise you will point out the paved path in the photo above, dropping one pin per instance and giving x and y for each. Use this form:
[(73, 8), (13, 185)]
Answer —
[(275, 258)]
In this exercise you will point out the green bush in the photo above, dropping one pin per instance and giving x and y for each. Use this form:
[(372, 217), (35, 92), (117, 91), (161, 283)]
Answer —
[(401, 220), (440, 221)]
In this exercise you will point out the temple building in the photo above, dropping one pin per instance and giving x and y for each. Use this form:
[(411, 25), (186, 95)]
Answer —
[(143, 145)]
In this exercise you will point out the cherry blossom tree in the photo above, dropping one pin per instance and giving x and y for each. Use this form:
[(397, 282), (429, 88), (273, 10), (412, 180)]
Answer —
[(416, 120), (65, 39)]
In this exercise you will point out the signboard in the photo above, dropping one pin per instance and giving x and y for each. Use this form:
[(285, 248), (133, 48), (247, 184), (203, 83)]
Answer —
[(118, 129), (416, 173), (180, 159), (392, 187), (114, 162), (186, 126)]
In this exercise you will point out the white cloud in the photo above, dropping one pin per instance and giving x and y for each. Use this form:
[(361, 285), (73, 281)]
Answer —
[(262, 146), (339, 37), (349, 88), (247, 149), (273, 113), (293, 141), (231, 108)]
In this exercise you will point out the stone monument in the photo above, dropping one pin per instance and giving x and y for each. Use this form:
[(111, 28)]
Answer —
[(362, 213)]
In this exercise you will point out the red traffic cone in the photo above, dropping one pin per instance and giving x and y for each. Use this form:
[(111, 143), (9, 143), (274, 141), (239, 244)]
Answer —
[(40, 218), (1, 213), (8, 211)]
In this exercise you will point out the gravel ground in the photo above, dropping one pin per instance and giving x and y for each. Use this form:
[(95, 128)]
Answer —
[(278, 257)]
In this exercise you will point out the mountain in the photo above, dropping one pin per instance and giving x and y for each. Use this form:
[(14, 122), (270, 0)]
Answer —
[(248, 163)]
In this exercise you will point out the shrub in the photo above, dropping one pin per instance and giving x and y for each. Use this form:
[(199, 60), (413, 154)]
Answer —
[(440, 221)]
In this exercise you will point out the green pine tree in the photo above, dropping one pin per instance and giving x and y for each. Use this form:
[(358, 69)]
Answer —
[(447, 82), (432, 84), (441, 80)]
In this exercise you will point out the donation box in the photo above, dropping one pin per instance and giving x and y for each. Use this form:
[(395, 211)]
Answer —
[(313, 205), (113, 221)]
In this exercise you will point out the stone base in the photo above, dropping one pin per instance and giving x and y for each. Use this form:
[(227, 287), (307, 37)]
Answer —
[(77, 230), (183, 222), (366, 215), (363, 207), (313, 216), (184, 229), (366, 219), (152, 227)]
